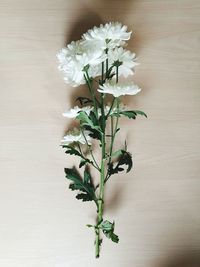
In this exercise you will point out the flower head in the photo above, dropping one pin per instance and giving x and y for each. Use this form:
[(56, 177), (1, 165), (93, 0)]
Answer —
[(109, 35), (73, 112), (125, 58), (75, 58), (76, 136), (118, 89)]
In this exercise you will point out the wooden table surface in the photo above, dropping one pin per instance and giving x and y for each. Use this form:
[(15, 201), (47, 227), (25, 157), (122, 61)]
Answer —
[(156, 207)]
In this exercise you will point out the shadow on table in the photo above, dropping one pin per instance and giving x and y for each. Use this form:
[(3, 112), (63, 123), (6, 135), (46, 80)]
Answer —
[(187, 259)]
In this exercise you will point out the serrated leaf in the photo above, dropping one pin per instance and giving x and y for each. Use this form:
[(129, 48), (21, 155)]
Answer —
[(73, 175), (84, 185), (131, 114), (124, 159), (74, 186), (93, 133), (72, 151), (87, 176), (87, 121), (139, 112), (94, 118), (83, 162), (84, 197)]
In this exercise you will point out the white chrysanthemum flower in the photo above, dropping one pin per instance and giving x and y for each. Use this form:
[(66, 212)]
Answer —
[(76, 136), (73, 112), (126, 58), (110, 35), (118, 89), (75, 57)]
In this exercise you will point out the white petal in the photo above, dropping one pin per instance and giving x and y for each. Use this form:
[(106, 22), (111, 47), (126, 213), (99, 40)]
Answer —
[(119, 89)]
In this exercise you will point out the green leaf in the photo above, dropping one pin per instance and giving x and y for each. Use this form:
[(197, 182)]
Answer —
[(106, 225), (73, 175), (139, 112), (74, 186), (87, 176), (72, 151), (86, 120), (93, 133), (83, 100), (84, 161), (108, 230), (85, 186), (131, 114), (94, 118), (84, 197), (124, 159)]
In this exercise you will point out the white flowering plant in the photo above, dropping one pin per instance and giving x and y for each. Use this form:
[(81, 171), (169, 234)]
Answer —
[(98, 60)]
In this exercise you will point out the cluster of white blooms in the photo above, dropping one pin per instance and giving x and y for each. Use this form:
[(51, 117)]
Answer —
[(77, 56), (76, 136), (97, 45), (99, 52)]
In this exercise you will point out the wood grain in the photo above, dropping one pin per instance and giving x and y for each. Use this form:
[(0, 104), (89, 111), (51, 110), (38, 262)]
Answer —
[(156, 207)]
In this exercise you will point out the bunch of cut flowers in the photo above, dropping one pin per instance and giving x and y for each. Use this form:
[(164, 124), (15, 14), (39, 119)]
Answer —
[(100, 61)]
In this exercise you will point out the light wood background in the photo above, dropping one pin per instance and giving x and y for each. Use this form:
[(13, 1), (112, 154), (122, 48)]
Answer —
[(157, 206)]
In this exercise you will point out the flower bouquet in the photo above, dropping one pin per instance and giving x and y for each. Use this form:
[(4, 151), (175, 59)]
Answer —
[(98, 60)]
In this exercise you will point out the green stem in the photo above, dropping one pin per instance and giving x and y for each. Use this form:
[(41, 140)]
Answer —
[(91, 153), (101, 198), (117, 74), (88, 81), (106, 64), (112, 104), (102, 176), (83, 157), (97, 243), (113, 134), (102, 72)]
